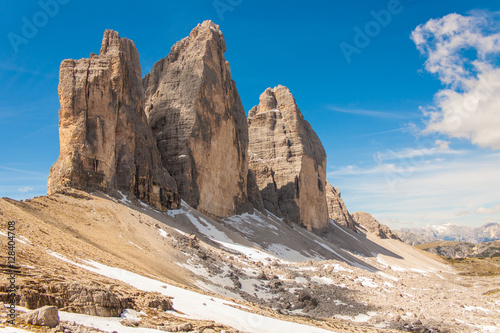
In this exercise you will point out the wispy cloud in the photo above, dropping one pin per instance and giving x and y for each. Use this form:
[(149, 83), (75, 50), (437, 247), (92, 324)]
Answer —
[(23, 171), (25, 189), (426, 191), (379, 133), (493, 210), (374, 113), (403, 161), (441, 148)]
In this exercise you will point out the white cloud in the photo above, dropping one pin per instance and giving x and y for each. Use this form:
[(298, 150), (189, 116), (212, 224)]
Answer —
[(493, 210), (25, 189), (463, 51), (442, 145)]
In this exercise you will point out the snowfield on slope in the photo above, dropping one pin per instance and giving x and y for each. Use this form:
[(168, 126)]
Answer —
[(192, 304)]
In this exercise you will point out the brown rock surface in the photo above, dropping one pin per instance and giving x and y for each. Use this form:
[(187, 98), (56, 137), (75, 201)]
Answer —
[(254, 195), (105, 141), (337, 210), (370, 224), (288, 160), (44, 316), (199, 123), (74, 297)]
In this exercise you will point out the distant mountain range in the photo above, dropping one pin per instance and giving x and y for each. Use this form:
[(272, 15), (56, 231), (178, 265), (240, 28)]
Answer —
[(451, 249), (450, 232)]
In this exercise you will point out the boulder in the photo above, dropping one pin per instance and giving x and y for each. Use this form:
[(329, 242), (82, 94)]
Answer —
[(199, 124), (153, 300), (74, 297), (105, 141), (44, 316), (288, 160)]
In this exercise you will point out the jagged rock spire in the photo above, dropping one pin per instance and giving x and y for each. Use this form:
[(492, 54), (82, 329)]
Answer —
[(337, 210), (198, 121), (105, 142), (288, 160)]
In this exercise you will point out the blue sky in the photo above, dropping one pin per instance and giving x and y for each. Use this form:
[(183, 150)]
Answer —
[(409, 117)]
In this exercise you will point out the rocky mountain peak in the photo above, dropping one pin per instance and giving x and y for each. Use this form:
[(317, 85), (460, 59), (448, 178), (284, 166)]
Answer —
[(208, 30), (112, 41), (367, 222), (276, 99), (267, 101), (198, 121), (337, 210), (105, 141), (288, 160)]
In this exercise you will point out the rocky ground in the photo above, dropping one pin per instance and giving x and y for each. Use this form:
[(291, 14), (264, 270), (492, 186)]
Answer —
[(366, 292)]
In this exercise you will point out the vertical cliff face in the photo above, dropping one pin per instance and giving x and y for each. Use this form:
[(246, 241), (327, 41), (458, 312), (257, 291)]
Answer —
[(288, 160), (337, 210), (199, 124), (105, 141)]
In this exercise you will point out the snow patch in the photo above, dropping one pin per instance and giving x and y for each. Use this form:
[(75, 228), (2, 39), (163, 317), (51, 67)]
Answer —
[(337, 268), (397, 268), (360, 318), (388, 284), (162, 232), (322, 280), (207, 229), (285, 252), (131, 314), (251, 253), (301, 280), (390, 277), (140, 248), (192, 304), (476, 308), (333, 251), (107, 324), (366, 282), (21, 239), (421, 271), (124, 199)]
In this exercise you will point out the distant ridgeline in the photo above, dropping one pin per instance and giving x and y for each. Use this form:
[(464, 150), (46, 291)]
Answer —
[(450, 232), (451, 249), (181, 133)]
